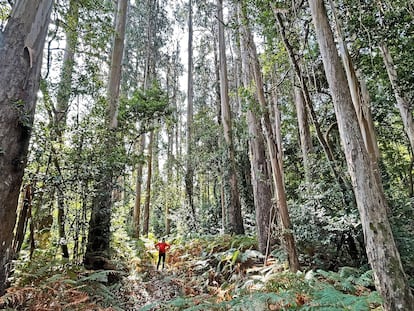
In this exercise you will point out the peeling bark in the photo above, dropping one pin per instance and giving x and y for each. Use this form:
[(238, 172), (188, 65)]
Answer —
[(25, 31), (383, 255)]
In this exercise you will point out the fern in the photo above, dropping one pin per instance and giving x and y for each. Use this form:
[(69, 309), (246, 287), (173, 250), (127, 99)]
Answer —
[(104, 293), (347, 279), (366, 279), (262, 301), (331, 299), (98, 276)]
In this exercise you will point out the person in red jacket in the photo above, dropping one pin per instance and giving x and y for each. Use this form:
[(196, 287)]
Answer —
[(162, 247)]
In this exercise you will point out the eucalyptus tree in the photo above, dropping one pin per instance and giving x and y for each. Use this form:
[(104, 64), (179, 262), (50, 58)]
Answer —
[(362, 108), (136, 214), (21, 49), (189, 175), (139, 55), (303, 80), (149, 78), (390, 42), (265, 209), (235, 221), (146, 214), (379, 36), (304, 132), (273, 147), (174, 70), (383, 255), (61, 110), (98, 247)]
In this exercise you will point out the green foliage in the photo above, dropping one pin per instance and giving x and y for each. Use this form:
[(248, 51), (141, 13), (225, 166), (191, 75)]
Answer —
[(331, 299), (5, 10), (348, 279), (148, 106), (287, 281), (64, 280), (98, 276), (102, 291), (402, 225)]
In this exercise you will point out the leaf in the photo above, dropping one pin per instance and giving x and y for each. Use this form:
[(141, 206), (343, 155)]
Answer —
[(234, 257)]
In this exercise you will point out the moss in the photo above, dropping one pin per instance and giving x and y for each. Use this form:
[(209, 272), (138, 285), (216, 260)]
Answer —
[(373, 228)]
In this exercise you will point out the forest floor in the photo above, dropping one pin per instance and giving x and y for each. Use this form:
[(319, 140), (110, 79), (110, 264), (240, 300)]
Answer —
[(209, 273)]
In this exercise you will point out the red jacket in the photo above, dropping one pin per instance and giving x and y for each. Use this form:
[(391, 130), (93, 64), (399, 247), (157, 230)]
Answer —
[(162, 247)]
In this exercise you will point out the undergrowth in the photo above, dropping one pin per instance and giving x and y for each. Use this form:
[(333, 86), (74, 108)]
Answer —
[(207, 273), (235, 278)]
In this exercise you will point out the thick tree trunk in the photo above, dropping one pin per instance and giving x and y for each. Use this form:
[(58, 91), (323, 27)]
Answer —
[(98, 248), (60, 112), (235, 224), (261, 182), (21, 49), (99, 235), (116, 64), (262, 192), (382, 252), (274, 154), (361, 106), (170, 180)]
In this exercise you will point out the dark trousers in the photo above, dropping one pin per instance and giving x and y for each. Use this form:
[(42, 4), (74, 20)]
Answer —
[(161, 256)]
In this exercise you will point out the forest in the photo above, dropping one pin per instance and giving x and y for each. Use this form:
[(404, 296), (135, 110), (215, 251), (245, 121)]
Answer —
[(269, 143)]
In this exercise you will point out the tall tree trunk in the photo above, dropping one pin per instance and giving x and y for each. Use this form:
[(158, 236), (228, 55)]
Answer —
[(145, 225), (323, 140), (61, 208), (21, 49), (403, 103), (61, 109), (382, 252), (264, 207), (235, 224), (362, 108), (137, 206), (65, 84), (98, 248), (189, 176), (304, 131), (222, 211), (273, 151), (260, 175)]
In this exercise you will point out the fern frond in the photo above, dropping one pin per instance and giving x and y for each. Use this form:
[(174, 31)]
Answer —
[(98, 276), (331, 297), (366, 279)]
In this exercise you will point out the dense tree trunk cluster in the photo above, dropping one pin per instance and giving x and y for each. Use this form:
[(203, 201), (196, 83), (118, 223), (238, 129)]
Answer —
[(382, 252)]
